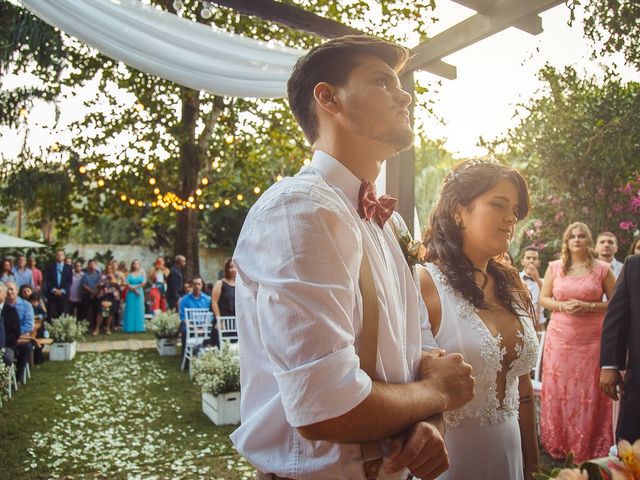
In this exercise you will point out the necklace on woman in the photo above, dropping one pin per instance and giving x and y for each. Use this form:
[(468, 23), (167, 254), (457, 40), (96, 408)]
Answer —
[(578, 265)]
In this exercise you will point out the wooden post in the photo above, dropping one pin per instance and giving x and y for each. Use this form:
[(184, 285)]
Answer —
[(401, 169)]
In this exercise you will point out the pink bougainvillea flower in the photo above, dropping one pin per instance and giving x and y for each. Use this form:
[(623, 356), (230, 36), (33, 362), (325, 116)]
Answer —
[(635, 202), (558, 216), (537, 224), (626, 225), (627, 189)]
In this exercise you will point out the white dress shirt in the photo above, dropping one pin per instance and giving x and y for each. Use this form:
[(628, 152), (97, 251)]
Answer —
[(534, 290), (299, 312)]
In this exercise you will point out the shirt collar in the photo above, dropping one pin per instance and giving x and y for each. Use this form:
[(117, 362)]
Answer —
[(337, 175)]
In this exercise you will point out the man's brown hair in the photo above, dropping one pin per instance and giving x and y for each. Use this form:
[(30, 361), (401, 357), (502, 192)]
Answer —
[(332, 62)]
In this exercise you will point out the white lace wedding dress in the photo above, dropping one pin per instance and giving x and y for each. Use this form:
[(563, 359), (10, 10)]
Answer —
[(483, 437)]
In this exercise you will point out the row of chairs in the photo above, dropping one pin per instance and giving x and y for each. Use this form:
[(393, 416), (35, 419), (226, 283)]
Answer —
[(199, 325)]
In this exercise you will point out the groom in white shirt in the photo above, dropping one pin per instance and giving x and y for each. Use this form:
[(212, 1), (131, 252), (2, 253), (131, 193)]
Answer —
[(306, 402)]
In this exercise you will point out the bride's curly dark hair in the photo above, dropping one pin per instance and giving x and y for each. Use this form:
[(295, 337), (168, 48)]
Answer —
[(443, 238)]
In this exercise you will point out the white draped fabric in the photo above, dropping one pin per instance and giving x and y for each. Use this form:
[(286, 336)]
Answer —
[(183, 51)]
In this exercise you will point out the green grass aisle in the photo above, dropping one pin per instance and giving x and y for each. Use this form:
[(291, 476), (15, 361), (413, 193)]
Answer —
[(113, 415)]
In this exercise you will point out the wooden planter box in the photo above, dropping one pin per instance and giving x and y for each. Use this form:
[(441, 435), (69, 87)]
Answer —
[(167, 346), (223, 409), (59, 352)]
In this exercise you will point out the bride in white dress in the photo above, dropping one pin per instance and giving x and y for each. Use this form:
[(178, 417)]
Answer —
[(480, 308)]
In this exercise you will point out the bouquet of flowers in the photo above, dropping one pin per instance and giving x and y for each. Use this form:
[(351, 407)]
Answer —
[(217, 372), (66, 329), (164, 324)]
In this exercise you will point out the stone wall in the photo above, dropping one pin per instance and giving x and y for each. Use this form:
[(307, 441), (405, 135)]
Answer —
[(211, 260)]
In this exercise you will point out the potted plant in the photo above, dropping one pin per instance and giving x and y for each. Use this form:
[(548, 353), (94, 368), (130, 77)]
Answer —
[(218, 374), (164, 325), (65, 332)]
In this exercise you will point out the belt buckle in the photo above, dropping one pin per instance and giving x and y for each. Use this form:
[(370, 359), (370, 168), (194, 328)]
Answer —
[(372, 467)]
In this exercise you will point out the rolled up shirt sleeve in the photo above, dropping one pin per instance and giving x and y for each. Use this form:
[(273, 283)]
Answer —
[(302, 256)]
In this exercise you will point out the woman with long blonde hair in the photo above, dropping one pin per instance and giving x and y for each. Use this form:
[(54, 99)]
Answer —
[(575, 414)]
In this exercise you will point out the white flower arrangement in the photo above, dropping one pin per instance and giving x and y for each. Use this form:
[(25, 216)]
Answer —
[(164, 324), (5, 378), (217, 372), (66, 329)]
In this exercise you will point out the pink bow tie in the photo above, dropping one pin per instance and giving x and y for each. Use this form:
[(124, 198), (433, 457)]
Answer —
[(380, 209)]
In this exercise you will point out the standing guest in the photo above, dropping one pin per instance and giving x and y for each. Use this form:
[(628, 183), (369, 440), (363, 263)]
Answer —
[(530, 276), (6, 275), (133, 319), (621, 350), (196, 298), (89, 286), (606, 248), (575, 414), (479, 307), (307, 401), (25, 313), (634, 248), (37, 273), (57, 282), (10, 325), (505, 259), (122, 271), (121, 278), (175, 282), (223, 296), (68, 261), (22, 274), (108, 298), (75, 292), (158, 278)]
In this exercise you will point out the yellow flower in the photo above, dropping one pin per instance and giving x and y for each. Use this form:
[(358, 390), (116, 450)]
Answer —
[(630, 456), (572, 474)]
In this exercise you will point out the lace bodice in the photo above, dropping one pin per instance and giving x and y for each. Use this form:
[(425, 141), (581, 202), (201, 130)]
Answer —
[(463, 331)]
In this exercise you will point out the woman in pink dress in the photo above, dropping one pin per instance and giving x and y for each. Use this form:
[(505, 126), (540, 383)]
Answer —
[(575, 414)]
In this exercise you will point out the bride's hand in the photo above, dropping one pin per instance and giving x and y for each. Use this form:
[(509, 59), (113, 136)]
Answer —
[(421, 449)]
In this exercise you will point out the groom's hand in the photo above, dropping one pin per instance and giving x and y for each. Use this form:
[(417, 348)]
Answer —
[(451, 378), (421, 449)]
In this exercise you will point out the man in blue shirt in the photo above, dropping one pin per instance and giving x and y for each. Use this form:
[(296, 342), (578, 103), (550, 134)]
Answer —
[(22, 273), (25, 313), (194, 299)]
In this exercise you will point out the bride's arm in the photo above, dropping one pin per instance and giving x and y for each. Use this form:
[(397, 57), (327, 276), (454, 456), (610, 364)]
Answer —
[(527, 421)]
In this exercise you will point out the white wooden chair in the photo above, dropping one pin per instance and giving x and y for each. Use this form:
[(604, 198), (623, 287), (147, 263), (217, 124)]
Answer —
[(227, 330), (536, 381), (199, 325)]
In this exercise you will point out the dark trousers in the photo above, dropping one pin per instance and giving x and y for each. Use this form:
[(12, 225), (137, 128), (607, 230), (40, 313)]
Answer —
[(56, 306), (23, 352), (628, 426), (75, 308), (90, 307)]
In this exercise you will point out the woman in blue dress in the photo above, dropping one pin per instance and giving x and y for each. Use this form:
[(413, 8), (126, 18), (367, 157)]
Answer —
[(134, 304)]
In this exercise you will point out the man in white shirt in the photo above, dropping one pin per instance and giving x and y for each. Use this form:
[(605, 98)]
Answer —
[(306, 403), (606, 248), (530, 276)]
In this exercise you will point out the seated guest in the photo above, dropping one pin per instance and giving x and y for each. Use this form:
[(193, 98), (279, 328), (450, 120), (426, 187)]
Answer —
[(194, 299), (21, 273), (9, 327), (26, 316)]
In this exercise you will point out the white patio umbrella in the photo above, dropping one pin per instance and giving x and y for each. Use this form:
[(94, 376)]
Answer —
[(7, 241)]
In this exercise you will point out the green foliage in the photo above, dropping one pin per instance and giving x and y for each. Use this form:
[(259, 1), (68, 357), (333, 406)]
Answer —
[(164, 324), (66, 329), (217, 372), (5, 378), (613, 25), (577, 144)]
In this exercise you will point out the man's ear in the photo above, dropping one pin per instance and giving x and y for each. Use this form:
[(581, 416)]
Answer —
[(325, 96)]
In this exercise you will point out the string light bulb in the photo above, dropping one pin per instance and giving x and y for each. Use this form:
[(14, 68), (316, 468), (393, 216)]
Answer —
[(240, 197), (201, 206), (205, 181), (227, 202), (55, 147), (278, 178), (191, 199), (139, 107), (152, 181), (123, 197), (101, 183), (256, 190), (140, 203), (216, 205), (150, 166), (229, 139), (132, 201), (23, 112), (82, 169), (198, 192), (156, 191)]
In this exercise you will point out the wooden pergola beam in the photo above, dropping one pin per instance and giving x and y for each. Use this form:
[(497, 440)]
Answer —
[(531, 24), (300, 19), (499, 16)]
